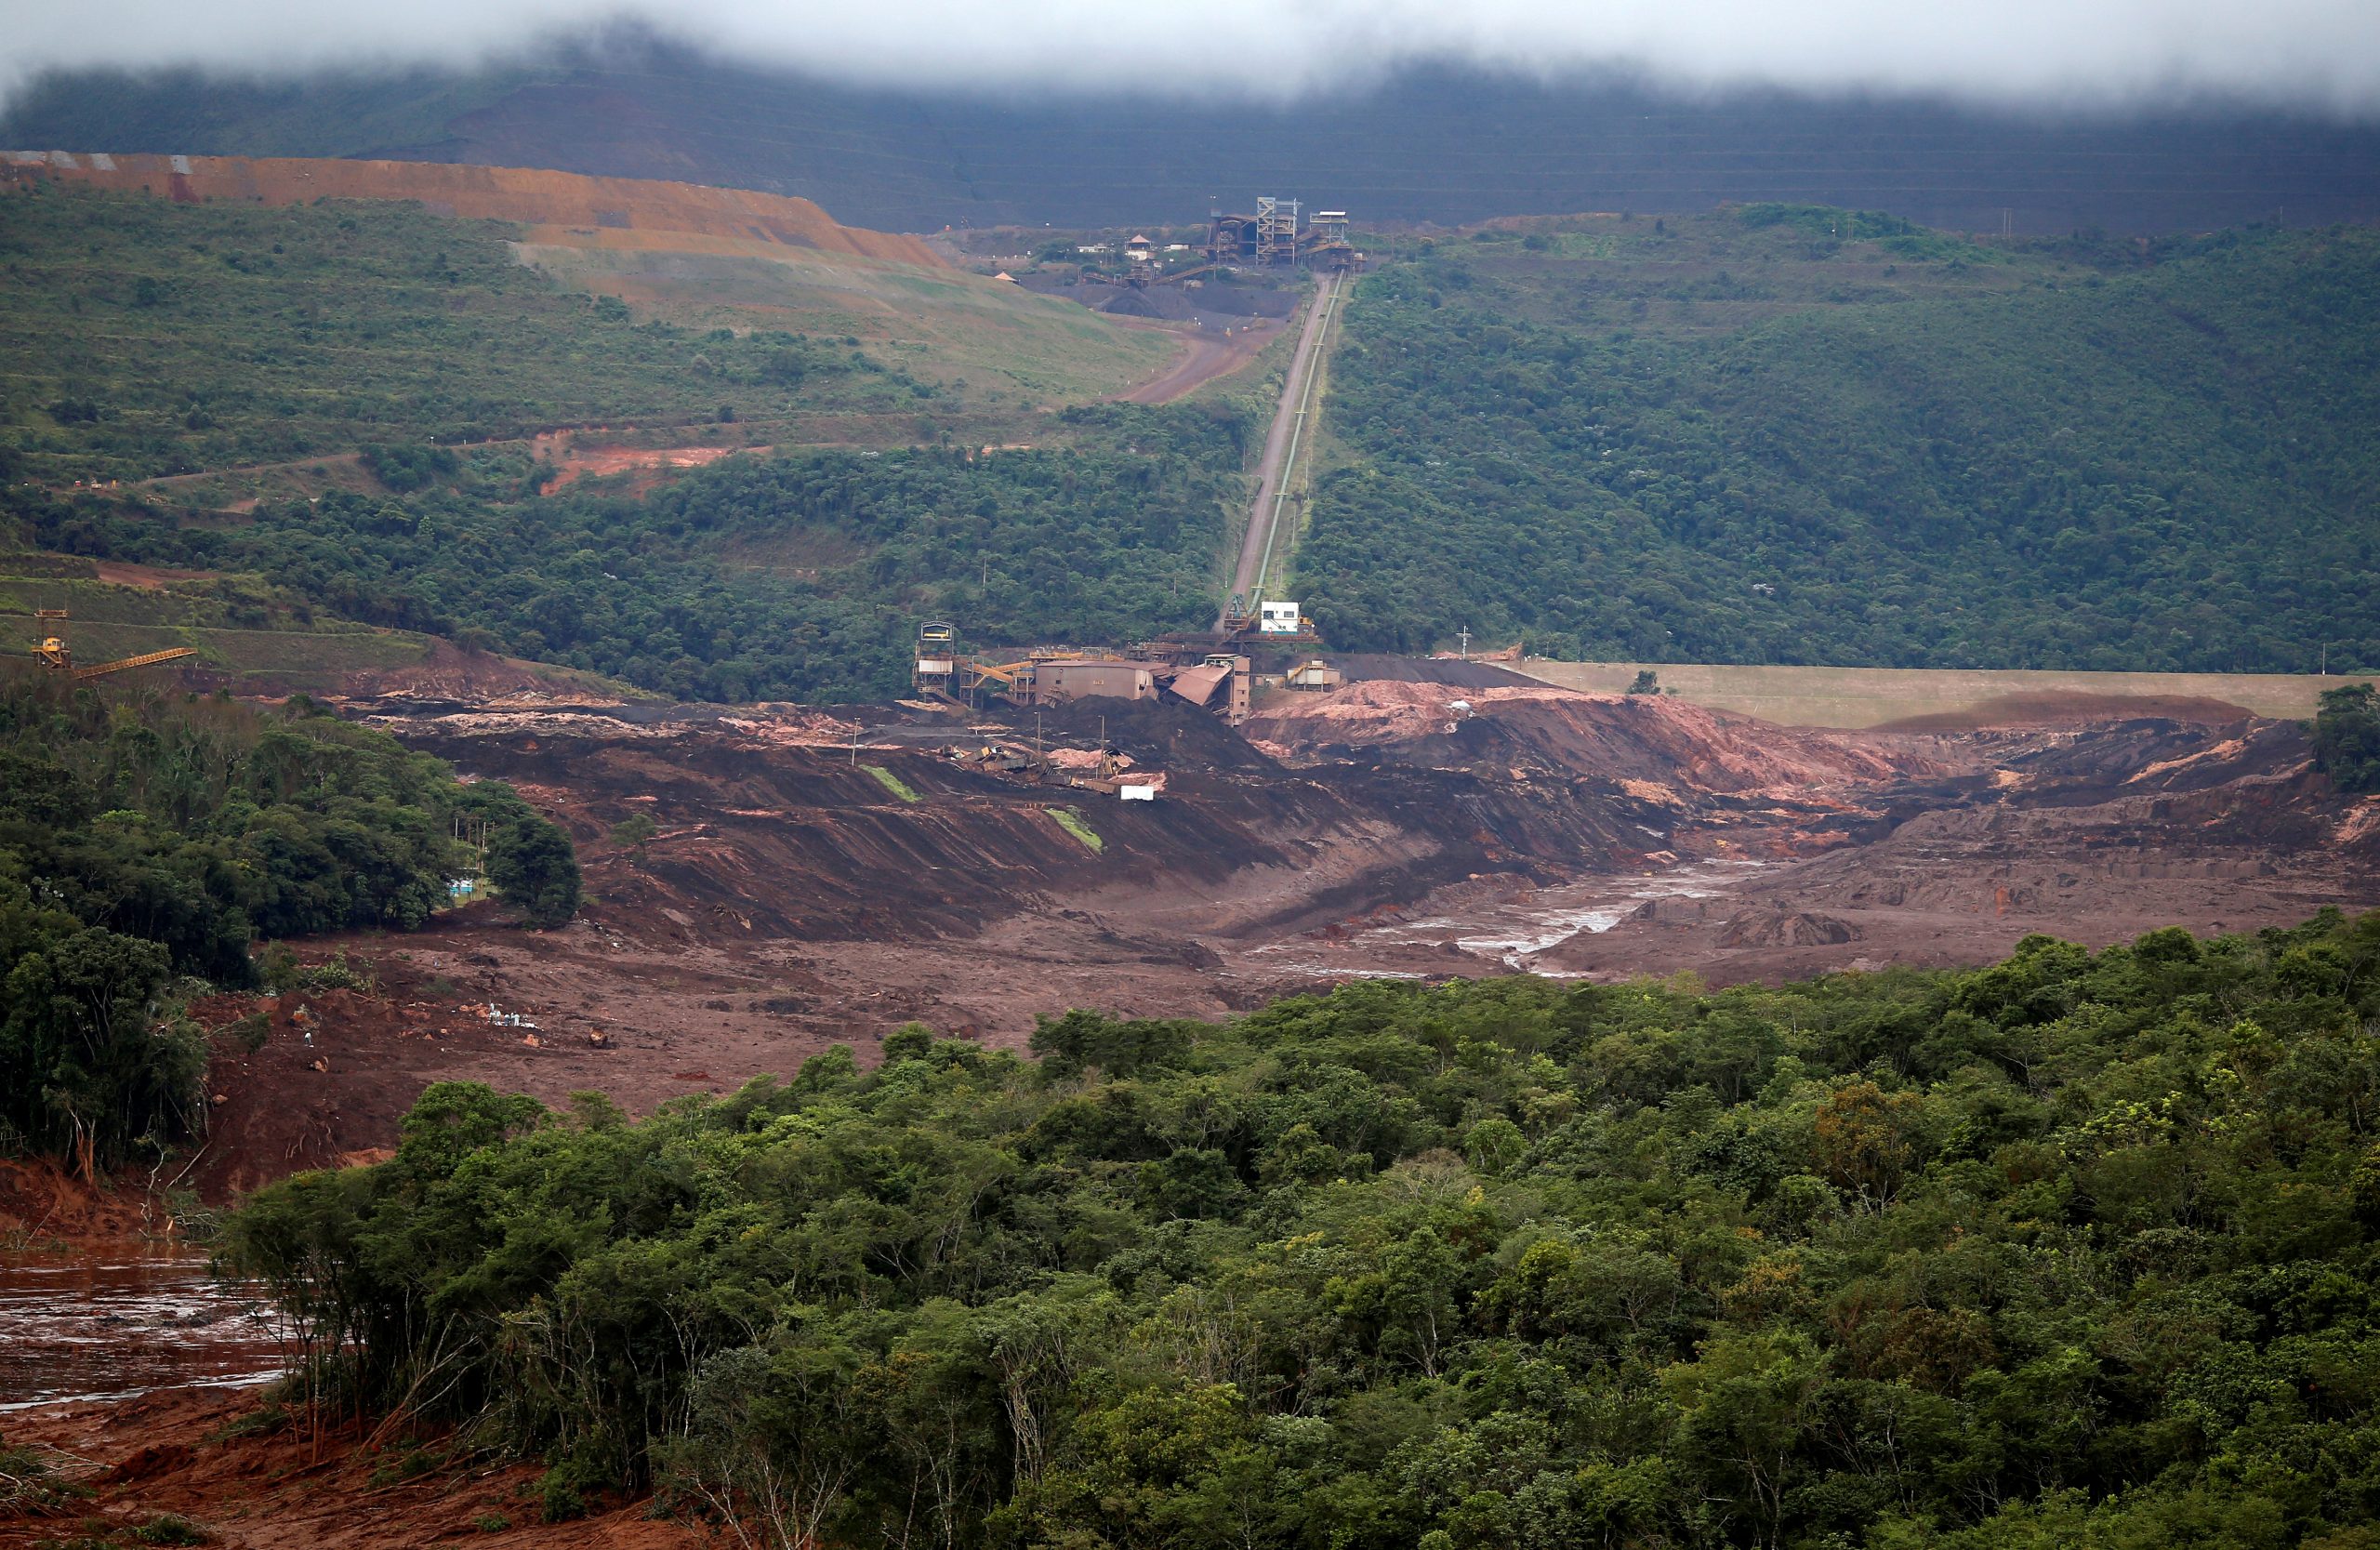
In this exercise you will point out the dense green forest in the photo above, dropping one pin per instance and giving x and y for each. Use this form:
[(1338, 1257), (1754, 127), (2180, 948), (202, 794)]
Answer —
[(798, 576), (145, 339), (1809, 436), (147, 840), (2078, 1250)]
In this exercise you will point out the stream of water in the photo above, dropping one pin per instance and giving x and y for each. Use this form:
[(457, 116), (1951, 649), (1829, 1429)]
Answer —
[(117, 1323), (1513, 930)]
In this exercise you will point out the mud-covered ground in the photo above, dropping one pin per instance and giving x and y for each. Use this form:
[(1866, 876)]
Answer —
[(248, 1473), (1432, 820), (792, 897)]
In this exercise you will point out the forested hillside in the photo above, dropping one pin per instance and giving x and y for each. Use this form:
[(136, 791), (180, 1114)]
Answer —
[(797, 575), (148, 840), (1804, 436), (2073, 1251)]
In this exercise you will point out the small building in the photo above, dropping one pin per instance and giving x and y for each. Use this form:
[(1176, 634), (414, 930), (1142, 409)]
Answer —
[(1073, 678), (1276, 619), (1314, 675), (1140, 250)]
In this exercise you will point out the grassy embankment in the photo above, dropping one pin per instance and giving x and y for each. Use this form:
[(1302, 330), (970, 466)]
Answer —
[(1873, 696)]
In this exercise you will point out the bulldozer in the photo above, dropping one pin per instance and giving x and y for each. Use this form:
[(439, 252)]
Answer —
[(58, 656)]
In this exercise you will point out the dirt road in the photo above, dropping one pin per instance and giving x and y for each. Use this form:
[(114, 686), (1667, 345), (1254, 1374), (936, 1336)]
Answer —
[(1209, 354), (1281, 447)]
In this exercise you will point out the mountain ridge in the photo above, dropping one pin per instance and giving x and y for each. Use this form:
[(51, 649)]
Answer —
[(1434, 145)]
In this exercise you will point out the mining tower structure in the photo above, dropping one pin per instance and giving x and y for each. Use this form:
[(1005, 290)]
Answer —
[(1273, 236)]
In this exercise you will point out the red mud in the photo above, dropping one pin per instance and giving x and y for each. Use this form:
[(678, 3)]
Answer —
[(1540, 729), (296, 1486), (791, 900)]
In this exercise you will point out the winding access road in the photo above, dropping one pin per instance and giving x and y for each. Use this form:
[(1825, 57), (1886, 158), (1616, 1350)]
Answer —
[(1281, 449)]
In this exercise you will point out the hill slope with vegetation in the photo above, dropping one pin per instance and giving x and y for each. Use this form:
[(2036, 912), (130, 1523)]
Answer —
[(2076, 1250), (409, 355), (1800, 435), (147, 338), (802, 575)]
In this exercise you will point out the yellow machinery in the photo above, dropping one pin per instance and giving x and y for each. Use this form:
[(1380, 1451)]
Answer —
[(53, 651), (1001, 677), (56, 656)]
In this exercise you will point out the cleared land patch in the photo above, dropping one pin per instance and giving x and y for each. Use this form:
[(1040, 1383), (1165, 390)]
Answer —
[(1945, 699)]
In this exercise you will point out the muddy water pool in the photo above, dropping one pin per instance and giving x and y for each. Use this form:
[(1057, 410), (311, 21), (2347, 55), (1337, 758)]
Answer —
[(1512, 930), (117, 1323)]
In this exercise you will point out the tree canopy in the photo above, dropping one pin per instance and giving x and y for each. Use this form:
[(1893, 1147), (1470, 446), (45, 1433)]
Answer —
[(2077, 1249), (1765, 443), (2346, 736), (148, 840)]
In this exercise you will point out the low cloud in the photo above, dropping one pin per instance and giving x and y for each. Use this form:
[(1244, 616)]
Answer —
[(2315, 54)]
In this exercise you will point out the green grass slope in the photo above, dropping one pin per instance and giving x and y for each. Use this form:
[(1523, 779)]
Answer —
[(146, 338), (1803, 436)]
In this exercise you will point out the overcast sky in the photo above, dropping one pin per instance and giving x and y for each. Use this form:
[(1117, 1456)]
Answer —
[(2321, 54)]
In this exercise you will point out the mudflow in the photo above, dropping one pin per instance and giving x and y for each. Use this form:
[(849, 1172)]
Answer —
[(791, 897)]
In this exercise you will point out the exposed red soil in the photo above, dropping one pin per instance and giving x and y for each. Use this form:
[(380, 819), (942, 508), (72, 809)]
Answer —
[(41, 1202), (2095, 835), (1650, 740), (301, 1487), (533, 196), (789, 900), (572, 462)]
